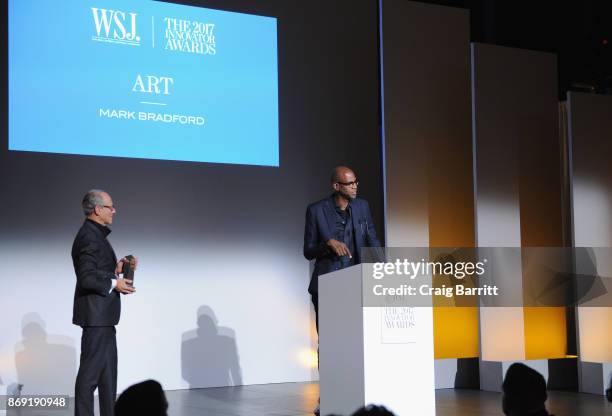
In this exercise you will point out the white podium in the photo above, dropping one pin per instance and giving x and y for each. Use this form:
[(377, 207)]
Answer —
[(372, 355)]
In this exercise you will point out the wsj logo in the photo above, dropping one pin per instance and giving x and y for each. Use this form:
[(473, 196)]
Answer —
[(115, 26)]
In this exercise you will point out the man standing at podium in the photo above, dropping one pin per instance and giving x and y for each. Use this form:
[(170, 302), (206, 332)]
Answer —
[(97, 305), (337, 228)]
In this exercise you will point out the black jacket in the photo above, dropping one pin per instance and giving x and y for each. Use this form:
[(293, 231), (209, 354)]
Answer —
[(94, 264), (319, 228)]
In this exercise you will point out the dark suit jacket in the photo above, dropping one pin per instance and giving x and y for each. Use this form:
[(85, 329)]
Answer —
[(320, 226), (94, 264)]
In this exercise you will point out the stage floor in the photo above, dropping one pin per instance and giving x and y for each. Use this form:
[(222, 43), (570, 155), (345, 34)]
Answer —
[(298, 399)]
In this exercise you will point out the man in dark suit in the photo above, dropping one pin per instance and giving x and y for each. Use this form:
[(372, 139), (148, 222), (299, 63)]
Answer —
[(97, 305), (337, 228)]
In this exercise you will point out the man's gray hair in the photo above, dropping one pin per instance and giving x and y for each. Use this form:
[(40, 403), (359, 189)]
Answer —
[(91, 200)]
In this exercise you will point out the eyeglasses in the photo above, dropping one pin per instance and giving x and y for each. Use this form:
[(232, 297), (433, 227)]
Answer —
[(111, 207), (352, 183)]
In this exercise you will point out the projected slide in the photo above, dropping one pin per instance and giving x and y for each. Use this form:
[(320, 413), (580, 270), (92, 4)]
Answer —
[(143, 79)]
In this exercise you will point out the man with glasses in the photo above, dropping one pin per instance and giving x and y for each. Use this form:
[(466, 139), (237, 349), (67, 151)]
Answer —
[(97, 305), (336, 229)]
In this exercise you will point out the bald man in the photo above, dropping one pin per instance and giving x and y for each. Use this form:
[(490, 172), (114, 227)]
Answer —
[(337, 228), (97, 305)]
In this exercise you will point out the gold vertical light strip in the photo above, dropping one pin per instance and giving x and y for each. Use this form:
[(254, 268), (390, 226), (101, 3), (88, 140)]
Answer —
[(455, 332), (541, 181), (427, 134), (451, 224), (545, 333), (519, 188)]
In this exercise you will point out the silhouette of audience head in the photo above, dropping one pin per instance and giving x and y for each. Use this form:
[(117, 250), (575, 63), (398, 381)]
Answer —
[(146, 398), (373, 410), (524, 392)]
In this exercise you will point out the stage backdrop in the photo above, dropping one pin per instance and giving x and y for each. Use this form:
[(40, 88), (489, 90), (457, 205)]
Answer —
[(221, 286)]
